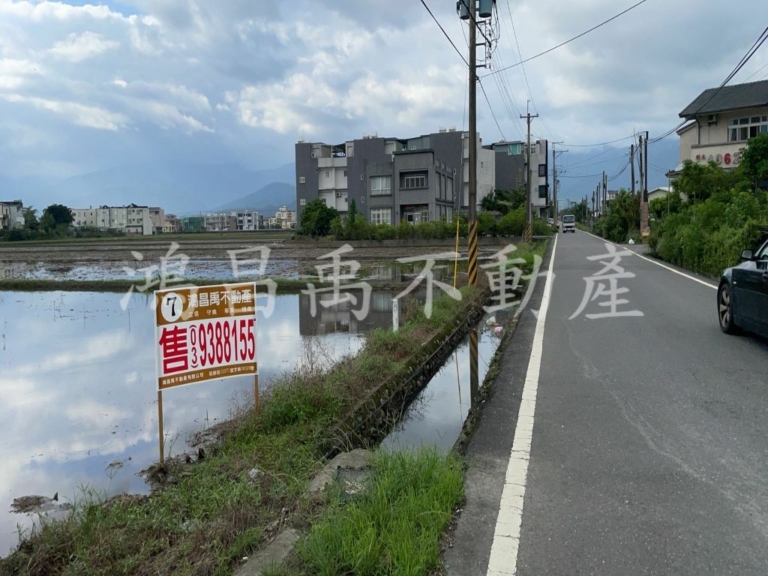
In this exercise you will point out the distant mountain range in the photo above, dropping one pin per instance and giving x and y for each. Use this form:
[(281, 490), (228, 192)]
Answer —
[(180, 188), (267, 199)]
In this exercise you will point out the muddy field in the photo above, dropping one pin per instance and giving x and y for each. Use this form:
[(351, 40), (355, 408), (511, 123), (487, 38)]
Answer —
[(209, 257)]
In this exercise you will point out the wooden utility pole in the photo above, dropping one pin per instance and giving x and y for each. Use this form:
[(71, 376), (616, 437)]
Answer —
[(472, 255), (632, 165), (605, 193), (645, 229), (529, 212)]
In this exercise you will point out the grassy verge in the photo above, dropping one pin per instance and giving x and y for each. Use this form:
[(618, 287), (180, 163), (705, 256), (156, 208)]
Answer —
[(213, 513), (394, 528)]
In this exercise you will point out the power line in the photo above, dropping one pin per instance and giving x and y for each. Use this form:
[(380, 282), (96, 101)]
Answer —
[(445, 33), (569, 41), (525, 74), (751, 52), (491, 109), (600, 143), (763, 67)]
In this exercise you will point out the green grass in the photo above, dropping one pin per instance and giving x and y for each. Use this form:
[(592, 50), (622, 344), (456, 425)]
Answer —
[(395, 528), (213, 514)]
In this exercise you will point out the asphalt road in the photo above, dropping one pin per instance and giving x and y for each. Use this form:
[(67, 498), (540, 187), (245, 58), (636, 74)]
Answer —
[(649, 450)]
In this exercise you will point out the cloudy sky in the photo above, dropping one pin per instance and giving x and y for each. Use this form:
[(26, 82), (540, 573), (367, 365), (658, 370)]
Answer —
[(85, 87)]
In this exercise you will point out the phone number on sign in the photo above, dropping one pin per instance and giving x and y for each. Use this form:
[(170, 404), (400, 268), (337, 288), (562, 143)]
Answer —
[(222, 342)]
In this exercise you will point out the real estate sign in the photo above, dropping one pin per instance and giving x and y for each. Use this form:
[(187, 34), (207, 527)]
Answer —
[(205, 333)]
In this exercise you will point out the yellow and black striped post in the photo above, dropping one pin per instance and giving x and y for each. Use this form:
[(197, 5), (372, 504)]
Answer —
[(528, 233), (472, 257), (474, 386)]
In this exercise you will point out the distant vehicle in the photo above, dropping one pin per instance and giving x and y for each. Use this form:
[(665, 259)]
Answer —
[(742, 298), (569, 223)]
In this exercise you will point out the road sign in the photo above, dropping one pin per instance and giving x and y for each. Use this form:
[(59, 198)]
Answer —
[(205, 333)]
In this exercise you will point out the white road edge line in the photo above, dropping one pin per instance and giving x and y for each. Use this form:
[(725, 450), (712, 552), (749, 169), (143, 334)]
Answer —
[(683, 274), (506, 538)]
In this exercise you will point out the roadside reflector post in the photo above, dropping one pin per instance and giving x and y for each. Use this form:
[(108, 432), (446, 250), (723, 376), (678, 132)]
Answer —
[(395, 314)]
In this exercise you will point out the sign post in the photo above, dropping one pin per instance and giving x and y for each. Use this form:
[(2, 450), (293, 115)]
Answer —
[(204, 333)]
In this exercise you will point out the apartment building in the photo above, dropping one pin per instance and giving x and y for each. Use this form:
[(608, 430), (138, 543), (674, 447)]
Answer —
[(286, 218), (511, 171), (247, 220), (131, 219), (171, 224), (157, 217), (224, 222), (393, 180), (11, 215), (721, 122)]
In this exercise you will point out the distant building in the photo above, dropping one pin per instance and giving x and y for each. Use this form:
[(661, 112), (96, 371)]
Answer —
[(171, 224), (511, 173), (721, 122), (393, 180), (11, 215), (224, 222), (247, 220), (285, 218), (131, 219), (157, 217), (192, 224)]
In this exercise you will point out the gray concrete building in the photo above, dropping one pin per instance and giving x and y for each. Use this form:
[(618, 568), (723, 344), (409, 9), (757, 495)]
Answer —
[(393, 180), (511, 173)]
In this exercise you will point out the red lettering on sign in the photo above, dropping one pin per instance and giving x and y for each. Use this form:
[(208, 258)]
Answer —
[(174, 343), (727, 158)]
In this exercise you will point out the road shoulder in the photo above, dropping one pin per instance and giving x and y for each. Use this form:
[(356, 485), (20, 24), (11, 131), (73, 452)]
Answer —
[(489, 448)]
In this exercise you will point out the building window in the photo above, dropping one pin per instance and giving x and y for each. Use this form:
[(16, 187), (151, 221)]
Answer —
[(413, 180), (303, 202), (742, 129), (515, 149), (439, 193), (543, 191), (542, 170), (302, 180), (425, 216), (381, 216), (327, 173), (381, 185), (345, 173)]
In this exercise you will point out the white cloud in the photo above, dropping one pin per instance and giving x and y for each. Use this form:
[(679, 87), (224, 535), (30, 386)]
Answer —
[(80, 114), (77, 48), (167, 116), (14, 73)]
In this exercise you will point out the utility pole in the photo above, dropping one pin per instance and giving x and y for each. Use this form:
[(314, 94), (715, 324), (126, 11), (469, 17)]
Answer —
[(640, 165), (555, 181), (644, 221), (605, 193), (472, 255), (529, 212), (632, 165)]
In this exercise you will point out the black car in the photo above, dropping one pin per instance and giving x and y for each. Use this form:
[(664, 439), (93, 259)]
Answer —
[(742, 299)]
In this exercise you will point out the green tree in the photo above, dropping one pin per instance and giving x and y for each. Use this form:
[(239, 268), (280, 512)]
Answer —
[(503, 201), (30, 219), (754, 161), (701, 181), (316, 219), (56, 219)]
